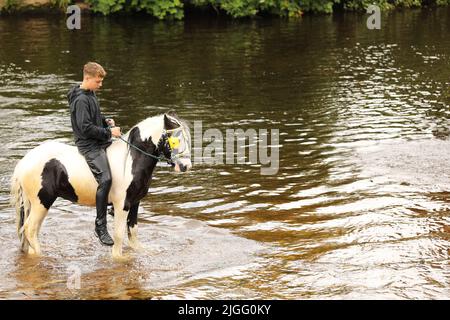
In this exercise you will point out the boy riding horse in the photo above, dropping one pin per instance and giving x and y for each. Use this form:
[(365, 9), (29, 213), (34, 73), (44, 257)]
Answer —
[(92, 133)]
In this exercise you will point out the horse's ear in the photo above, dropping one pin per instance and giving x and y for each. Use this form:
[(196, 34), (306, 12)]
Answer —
[(166, 121), (168, 124), (172, 113)]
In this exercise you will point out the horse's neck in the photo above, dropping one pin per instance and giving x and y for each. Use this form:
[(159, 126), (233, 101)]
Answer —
[(151, 127), (142, 166)]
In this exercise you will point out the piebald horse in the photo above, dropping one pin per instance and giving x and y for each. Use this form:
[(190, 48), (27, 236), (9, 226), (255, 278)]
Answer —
[(54, 169)]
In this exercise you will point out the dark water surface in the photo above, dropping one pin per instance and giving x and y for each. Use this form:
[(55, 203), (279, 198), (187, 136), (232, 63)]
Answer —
[(360, 207)]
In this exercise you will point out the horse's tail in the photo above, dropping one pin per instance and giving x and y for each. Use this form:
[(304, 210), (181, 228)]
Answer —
[(22, 205)]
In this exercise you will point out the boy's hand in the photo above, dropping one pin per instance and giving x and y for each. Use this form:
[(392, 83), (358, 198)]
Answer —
[(115, 132), (110, 122)]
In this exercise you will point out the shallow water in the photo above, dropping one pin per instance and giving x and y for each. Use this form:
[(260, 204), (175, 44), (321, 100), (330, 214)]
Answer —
[(358, 209)]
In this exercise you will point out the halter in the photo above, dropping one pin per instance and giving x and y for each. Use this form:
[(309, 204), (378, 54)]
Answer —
[(174, 142), (164, 137)]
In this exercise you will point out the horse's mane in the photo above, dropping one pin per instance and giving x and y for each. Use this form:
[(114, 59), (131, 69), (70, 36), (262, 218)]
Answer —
[(148, 126)]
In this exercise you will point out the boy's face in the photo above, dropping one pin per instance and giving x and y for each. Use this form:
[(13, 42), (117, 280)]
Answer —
[(93, 83)]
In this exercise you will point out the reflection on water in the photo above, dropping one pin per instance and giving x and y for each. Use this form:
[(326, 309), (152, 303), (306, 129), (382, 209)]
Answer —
[(359, 207)]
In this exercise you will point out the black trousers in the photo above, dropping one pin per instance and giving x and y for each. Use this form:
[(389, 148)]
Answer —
[(99, 165)]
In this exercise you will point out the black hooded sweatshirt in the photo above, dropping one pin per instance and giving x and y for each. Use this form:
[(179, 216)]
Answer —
[(89, 126)]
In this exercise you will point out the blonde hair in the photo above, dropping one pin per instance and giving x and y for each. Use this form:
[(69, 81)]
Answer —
[(93, 69)]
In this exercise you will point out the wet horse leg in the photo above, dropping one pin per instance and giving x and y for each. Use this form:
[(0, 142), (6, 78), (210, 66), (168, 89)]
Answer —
[(132, 228), (33, 225)]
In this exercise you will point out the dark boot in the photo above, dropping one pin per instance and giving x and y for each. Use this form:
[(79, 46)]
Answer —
[(103, 235), (101, 231)]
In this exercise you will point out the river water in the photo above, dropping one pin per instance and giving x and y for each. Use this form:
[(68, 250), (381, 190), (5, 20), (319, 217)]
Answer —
[(360, 205)]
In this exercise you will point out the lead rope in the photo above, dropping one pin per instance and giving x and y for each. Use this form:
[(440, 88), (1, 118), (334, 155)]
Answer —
[(160, 158)]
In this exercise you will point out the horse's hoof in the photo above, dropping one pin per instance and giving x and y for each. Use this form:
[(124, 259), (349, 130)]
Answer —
[(120, 258), (33, 253), (116, 253)]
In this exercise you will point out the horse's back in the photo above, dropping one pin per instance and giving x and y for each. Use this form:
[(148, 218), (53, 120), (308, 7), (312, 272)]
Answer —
[(55, 156), (36, 158), (54, 159), (48, 149)]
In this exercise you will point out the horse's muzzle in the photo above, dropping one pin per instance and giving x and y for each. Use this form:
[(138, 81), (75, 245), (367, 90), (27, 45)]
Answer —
[(181, 166)]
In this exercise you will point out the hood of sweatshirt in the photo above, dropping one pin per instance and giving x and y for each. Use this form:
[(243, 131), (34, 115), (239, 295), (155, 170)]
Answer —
[(75, 92)]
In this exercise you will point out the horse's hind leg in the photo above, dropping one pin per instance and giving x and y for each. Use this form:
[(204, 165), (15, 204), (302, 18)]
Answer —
[(33, 225), (24, 214), (132, 228)]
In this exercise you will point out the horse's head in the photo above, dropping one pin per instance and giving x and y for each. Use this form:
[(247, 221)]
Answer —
[(176, 142)]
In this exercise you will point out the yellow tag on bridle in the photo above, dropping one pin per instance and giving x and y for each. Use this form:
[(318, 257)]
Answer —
[(174, 142)]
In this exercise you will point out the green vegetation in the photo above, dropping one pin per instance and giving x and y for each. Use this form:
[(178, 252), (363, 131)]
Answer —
[(10, 4), (174, 9), (60, 3)]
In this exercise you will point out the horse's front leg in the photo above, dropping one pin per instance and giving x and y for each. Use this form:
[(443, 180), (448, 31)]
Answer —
[(132, 228), (120, 223)]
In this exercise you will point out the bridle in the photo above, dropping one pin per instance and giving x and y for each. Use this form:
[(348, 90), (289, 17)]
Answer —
[(166, 138)]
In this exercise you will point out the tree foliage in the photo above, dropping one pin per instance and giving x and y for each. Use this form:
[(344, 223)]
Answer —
[(174, 9)]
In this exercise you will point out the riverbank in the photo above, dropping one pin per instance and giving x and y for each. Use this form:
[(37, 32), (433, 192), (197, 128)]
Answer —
[(25, 5), (177, 9)]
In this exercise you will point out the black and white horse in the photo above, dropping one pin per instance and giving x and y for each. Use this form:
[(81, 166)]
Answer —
[(54, 169)]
